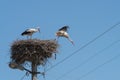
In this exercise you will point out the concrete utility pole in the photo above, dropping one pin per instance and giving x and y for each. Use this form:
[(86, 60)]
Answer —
[(34, 70)]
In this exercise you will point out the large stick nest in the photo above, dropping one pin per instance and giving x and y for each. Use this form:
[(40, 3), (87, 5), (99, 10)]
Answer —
[(33, 50)]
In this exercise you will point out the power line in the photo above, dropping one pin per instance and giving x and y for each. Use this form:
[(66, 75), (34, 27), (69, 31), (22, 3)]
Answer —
[(109, 29), (110, 60), (23, 77), (87, 60)]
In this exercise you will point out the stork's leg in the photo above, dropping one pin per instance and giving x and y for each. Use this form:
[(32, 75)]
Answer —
[(27, 37), (31, 37), (44, 72), (55, 56)]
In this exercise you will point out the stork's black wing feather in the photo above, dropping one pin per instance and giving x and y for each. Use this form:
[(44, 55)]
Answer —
[(64, 28), (25, 32)]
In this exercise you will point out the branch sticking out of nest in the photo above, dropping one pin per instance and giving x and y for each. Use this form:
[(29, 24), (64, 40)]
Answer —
[(33, 50)]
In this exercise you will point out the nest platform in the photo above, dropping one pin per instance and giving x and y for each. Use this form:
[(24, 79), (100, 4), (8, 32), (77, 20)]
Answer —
[(33, 50)]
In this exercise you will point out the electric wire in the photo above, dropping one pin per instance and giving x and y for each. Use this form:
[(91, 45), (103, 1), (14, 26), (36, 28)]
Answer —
[(75, 52), (87, 60), (23, 77), (93, 70)]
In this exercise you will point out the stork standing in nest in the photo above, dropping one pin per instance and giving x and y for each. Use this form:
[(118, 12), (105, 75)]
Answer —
[(62, 32), (30, 31)]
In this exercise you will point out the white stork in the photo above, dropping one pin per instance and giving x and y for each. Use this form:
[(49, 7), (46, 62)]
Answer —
[(62, 32), (30, 31)]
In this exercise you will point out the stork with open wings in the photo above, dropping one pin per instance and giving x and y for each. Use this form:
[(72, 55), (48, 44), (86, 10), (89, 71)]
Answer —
[(63, 32)]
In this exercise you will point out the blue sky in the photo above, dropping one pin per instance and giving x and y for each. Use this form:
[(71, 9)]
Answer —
[(87, 19)]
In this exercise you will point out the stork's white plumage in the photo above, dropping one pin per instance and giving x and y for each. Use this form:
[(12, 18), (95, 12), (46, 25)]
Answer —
[(30, 31), (62, 32)]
